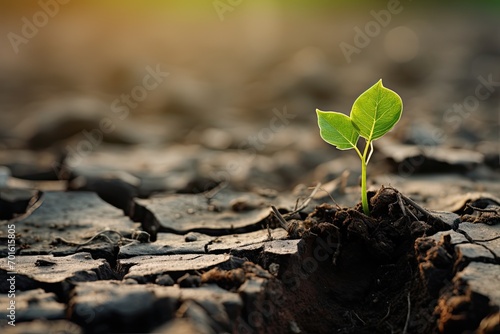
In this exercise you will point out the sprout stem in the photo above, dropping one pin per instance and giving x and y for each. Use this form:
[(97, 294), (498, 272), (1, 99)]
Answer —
[(364, 195), (364, 162)]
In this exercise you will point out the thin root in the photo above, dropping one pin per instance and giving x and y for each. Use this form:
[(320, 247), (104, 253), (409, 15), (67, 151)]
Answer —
[(481, 210), (386, 315), (305, 203), (331, 198), (407, 314), (359, 318), (99, 234)]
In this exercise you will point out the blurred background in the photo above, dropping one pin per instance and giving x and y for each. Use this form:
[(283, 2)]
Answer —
[(85, 84)]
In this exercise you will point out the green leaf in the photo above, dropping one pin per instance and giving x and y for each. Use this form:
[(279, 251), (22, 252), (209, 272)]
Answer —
[(376, 111), (337, 129)]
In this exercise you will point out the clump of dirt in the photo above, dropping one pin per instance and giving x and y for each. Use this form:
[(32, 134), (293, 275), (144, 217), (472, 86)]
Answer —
[(359, 274), (436, 262), (226, 279)]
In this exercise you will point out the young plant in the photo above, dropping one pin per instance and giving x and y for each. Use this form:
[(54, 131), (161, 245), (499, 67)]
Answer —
[(373, 114)]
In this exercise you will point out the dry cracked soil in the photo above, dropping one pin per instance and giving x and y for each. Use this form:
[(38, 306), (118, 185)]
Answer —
[(100, 259)]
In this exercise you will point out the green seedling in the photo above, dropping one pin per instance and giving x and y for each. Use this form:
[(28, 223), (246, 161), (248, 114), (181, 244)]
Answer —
[(373, 114)]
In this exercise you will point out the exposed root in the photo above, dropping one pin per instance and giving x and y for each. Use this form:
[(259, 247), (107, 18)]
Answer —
[(101, 234), (405, 329)]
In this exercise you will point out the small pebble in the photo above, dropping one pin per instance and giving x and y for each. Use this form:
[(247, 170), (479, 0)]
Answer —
[(44, 263), (190, 237), (164, 280), (274, 269), (137, 279), (240, 204), (294, 328), (130, 281), (213, 208), (189, 281), (4, 176), (141, 236)]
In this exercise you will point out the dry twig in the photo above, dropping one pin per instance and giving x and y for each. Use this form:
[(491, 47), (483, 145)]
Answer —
[(481, 210), (305, 203), (99, 234), (284, 224), (403, 209), (411, 202)]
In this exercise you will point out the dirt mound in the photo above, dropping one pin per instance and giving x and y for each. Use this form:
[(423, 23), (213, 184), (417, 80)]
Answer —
[(359, 274)]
